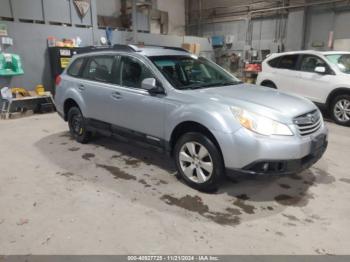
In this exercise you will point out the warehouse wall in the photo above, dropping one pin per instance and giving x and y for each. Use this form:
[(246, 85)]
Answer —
[(108, 7), (320, 22), (30, 42), (304, 29), (176, 10)]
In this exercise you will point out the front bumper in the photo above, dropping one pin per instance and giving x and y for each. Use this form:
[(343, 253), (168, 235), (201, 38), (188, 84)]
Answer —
[(283, 167), (249, 153)]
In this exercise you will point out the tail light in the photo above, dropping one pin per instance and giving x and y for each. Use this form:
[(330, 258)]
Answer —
[(58, 80)]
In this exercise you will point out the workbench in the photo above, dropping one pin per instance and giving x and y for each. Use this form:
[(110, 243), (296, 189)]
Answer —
[(6, 109)]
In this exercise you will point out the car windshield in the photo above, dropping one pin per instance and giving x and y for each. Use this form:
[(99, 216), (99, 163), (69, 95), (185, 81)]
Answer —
[(190, 72), (342, 61)]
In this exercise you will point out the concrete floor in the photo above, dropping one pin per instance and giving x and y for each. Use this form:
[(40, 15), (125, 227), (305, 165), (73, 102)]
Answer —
[(108, 197)]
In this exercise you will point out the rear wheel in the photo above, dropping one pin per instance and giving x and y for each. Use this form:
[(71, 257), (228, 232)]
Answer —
[(77, 126), (199, 162), (340, 110)]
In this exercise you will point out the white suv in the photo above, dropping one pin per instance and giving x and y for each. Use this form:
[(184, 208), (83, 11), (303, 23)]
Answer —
[(323, 77)]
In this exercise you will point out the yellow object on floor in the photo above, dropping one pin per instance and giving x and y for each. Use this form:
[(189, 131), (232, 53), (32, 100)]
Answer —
[(19, 91), (40, 90)]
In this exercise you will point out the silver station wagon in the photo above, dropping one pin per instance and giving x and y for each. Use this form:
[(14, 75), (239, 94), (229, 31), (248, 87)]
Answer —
[(208, 120)]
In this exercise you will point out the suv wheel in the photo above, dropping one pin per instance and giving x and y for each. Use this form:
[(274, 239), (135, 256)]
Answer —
[(199, 161), (340, 110), (77, 128)]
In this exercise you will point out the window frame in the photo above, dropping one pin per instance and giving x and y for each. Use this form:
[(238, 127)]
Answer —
[(118, 66)]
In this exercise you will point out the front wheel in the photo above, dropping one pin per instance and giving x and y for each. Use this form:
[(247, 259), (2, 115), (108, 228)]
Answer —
[(340, 110), (77, 126), (199, 162)]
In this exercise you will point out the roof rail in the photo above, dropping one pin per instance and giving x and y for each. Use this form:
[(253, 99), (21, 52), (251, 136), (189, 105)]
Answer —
[(125, 48), (89, 49), (164, 47)]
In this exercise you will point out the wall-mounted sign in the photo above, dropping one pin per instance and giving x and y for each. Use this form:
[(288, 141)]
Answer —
[(3, 30), (83, 6)]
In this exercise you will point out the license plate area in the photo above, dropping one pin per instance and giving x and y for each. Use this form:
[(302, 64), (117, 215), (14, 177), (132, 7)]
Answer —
[(317, 143)]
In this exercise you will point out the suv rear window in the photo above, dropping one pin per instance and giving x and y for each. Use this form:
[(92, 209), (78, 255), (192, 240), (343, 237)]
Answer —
[(274, 62), (288, 62), (99, 68), (74, 69)]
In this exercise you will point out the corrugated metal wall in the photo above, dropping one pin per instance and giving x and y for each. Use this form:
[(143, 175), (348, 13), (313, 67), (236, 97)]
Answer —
[(296, 28)]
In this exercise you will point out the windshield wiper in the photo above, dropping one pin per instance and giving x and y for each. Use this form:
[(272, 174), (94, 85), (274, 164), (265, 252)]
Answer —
[(212, 84), (221, 83)]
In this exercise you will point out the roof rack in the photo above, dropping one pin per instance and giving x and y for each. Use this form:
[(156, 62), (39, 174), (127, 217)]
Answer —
[(89, 49), (166, 47), (124, 48)]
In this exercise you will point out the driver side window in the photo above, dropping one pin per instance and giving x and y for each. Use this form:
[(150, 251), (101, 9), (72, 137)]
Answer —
[(133, 72), (310, 62)]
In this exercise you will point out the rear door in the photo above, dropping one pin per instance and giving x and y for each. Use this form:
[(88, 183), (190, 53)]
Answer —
[(312, 85), (286, 73), (97, 87)]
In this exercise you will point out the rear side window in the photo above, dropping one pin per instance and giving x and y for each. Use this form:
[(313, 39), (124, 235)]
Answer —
[(100, 68), (288, 62), (274, 62), (74, 69)]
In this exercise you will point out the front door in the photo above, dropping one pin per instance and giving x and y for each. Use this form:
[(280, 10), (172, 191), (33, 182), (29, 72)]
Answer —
[(312, 85), (135, 108)]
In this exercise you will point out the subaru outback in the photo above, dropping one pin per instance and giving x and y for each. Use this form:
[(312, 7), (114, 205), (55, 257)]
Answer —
[(188, 106)]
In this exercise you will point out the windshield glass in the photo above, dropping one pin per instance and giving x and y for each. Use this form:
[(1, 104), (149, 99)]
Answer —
[(187, 72), (342, 61)]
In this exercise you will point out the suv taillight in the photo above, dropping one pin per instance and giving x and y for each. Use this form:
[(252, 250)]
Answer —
[(58, 80)]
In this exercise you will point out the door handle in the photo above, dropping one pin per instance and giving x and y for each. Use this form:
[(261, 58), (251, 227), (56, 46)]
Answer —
[(81, 87), (116, 95)]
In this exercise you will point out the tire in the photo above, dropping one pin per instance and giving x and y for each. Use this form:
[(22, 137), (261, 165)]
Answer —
[(199, 162), (77, 126), (269, 84), (340, 110)]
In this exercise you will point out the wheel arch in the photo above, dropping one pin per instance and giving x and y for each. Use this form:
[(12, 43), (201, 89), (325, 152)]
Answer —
[(187, 127), (336, 92), (68, 104), (267, 81)]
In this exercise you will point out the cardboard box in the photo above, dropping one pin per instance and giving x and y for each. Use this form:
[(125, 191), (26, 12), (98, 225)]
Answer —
[(192, 48)]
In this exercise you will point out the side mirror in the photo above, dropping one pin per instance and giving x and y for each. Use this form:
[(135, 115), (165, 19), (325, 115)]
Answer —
[(320, 70), (150, 84)]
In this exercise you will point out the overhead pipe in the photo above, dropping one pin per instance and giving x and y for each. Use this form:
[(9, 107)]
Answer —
[(251, 13)]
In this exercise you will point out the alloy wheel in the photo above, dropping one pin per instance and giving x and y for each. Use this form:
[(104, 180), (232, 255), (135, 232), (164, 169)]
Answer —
[(196, 162), (342, 110)]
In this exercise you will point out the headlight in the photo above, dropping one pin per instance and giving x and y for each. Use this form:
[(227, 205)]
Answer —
[(260, 124)]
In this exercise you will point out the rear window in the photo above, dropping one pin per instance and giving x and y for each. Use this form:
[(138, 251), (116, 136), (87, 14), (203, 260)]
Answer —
[(74, 69), (99, 68), (288, 62), (274, 62)]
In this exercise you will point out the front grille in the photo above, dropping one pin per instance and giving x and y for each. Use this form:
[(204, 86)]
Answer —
[(309, 123)]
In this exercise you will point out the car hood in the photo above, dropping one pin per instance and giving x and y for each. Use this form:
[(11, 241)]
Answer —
[(266, 101)]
